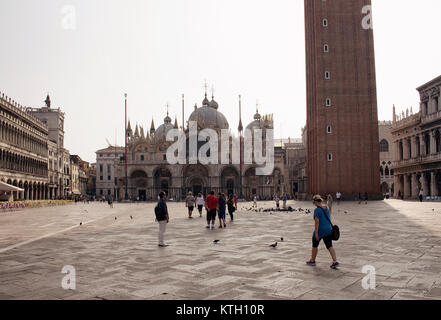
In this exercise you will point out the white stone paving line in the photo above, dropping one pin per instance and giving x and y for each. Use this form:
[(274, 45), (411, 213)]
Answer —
[(45, 236)]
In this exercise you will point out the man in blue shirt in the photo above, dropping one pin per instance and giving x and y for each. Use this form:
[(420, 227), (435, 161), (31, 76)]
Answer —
[(323, 230)]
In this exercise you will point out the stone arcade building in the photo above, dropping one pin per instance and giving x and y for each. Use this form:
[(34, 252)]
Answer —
[(417, 142), (32, 153), (23, 151)]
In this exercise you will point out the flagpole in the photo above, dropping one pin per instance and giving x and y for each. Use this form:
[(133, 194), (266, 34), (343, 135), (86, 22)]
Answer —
[(240, 144), (126, 195)]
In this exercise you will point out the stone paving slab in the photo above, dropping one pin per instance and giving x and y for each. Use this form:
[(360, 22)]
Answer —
[(120, 259)]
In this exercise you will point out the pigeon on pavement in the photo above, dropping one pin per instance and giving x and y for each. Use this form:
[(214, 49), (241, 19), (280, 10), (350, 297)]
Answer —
[(273, 245)]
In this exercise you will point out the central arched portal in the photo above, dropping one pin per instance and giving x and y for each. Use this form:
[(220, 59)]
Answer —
[(196, 179), (162, 180)]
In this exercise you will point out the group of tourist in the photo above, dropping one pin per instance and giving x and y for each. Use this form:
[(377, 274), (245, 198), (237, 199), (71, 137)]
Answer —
[(213, 205), (277, 200), (323, 228)]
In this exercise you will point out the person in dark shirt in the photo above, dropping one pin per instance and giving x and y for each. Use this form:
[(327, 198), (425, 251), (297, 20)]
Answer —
[(222, 210), (231, 207), (164, 220)]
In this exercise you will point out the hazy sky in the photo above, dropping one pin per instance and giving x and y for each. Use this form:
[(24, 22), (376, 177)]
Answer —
[(155, 50)]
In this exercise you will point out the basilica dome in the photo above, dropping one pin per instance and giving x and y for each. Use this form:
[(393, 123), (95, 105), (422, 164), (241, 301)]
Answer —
[(161, 132), (208, 117), (256, 123)]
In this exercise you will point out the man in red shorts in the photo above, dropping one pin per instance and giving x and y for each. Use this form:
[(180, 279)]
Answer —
[(211, 205)]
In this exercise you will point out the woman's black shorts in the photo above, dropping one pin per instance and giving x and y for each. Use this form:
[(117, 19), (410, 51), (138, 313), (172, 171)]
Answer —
[(200, 206), (190, 208), (327, 240)]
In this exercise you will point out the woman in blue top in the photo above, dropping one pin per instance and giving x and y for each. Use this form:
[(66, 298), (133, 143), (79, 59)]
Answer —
[(323, 230)]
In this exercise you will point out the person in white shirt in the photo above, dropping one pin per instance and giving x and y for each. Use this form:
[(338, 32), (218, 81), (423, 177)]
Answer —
[(277, 200), (189, 203), (200, 202), (338, 197)]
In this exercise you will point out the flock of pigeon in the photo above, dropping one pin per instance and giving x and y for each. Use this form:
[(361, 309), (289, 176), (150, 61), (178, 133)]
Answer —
[(273, 210)]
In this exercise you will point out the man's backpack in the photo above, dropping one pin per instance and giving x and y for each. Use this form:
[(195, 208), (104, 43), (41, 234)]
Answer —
[(160, 216)]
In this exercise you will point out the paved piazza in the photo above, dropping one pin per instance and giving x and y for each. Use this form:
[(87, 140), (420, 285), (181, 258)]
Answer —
[(120, 259)]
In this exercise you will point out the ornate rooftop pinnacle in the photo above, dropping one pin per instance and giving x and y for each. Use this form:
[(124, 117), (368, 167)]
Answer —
[(48, 101), (152, 127)]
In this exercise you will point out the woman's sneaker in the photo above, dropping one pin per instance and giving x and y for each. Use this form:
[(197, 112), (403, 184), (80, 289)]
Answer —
[(311, 263), (334, 265)]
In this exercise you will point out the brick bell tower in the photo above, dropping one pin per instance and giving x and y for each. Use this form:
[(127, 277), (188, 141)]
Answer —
[(342, 120)]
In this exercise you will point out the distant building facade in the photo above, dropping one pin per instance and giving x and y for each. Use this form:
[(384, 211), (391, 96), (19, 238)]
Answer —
[(106, 177), (54, 119), (387, 158), (417, 143)]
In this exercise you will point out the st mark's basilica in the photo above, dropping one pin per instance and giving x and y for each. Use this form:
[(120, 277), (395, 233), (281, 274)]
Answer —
[(149, 172)]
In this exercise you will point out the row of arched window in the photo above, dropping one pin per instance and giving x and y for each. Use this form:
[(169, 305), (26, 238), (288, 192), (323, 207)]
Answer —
[(386, 172), (20, 138), (15, 162)]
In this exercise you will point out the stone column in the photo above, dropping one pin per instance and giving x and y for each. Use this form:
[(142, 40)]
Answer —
[(430, 104), (415, 188), (414, 147), (432, 142), (439, 100), (407, 191), (424, 184), (434, 186), (397, 186)]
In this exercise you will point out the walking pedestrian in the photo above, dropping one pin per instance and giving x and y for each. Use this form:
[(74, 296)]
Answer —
[(421, 195), (235, 199), (255, 201), (211, 205), (231, 207), (277, 200), (338, 197), (329, 202), (200, 203), (162, 217), (222, 210), (366, 197), (323, 230), (359, 198), (189, 203)]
